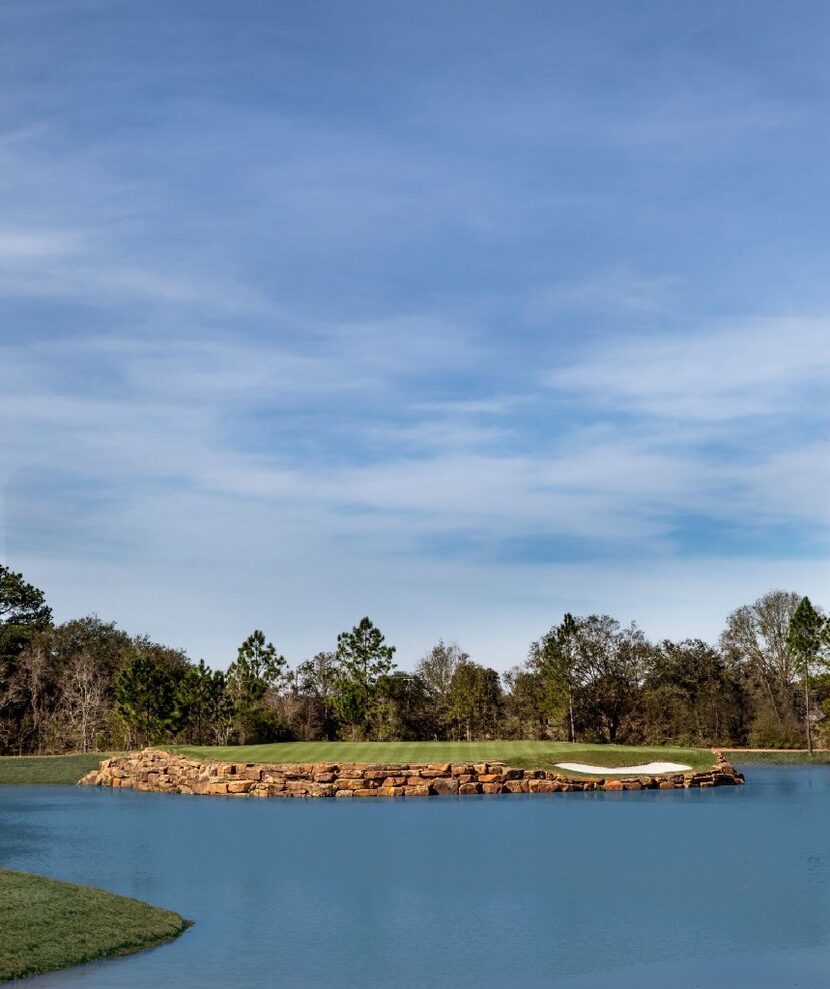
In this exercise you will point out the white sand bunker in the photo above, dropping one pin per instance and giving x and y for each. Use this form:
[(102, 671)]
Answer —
[(650, 768)]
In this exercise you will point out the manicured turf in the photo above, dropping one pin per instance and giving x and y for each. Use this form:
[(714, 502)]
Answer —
[(46, 925), (528, 755), (793, 757), (30, 769)]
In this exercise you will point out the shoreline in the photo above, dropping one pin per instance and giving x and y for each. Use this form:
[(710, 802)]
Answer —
[(49, 925), (156, 770)]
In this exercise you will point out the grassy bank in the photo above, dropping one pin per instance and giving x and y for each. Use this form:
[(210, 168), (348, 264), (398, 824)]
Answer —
[(527, 755), (48, 925), (28, 769), (780, 757)]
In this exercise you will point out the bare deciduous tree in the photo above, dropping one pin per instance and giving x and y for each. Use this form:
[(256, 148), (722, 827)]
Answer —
[(84, 706), (755, 643)]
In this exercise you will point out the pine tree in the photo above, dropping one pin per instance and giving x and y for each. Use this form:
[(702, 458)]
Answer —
[(363, 658), (805, 639), (258, 669), (144, 701)]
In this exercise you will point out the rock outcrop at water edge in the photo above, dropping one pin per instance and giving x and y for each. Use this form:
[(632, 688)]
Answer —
[(165, 772)]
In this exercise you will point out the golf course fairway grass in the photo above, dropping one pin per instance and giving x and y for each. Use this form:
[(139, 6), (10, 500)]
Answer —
[(46, 925), (523, 755)]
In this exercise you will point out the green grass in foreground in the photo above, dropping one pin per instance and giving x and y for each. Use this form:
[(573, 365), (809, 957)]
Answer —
[(27, 769), (794, 757), (527, 755), (48, 925)]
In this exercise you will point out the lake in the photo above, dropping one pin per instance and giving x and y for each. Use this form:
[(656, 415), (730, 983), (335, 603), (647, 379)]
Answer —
[(718, 889)]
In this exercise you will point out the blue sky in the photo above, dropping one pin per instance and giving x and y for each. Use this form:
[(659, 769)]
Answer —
[(457, 315)]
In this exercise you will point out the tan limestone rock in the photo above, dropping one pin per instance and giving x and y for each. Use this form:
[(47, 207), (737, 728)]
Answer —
[(469, 788), (239, 786), (541, 786), (348, 784), (444, 785), (321, 789)]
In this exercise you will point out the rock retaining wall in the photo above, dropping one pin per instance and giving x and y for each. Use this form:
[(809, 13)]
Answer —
[(164, 772)]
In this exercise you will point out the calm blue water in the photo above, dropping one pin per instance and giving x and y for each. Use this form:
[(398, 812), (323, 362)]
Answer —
[(718, 889)]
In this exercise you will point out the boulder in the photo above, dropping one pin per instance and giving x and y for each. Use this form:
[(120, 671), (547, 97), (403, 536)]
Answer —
[(239, 786), (542, 786), (444, 786), (342, 783), (323, 767), (469, 788), (321, 789)]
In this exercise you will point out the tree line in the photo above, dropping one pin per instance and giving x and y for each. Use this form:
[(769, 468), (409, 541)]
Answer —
[(86, 685)]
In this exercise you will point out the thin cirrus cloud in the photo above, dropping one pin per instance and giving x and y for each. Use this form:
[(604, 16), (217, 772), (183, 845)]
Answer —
[(754, 368), (303, 331)]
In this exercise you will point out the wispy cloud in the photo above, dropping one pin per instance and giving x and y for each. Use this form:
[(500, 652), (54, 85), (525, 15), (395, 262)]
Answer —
[(613, 292), (749, 368), (26, 245), (459, 348)]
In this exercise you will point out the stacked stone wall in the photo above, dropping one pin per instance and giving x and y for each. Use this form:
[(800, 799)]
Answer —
[(164, 772)]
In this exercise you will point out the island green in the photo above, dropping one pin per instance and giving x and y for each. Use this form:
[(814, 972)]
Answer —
[(522, 754)]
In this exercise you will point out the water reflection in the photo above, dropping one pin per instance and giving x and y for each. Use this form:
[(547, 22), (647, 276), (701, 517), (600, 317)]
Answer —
[(726, 887)]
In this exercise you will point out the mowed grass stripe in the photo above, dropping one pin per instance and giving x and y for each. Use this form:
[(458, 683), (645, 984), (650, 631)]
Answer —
[(28, 770), (34, 769), (528, 755), (48, 925), (796, 757)]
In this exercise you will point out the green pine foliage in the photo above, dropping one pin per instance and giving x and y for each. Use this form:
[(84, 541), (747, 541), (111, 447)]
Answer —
[(86, 686), (364, 660)]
